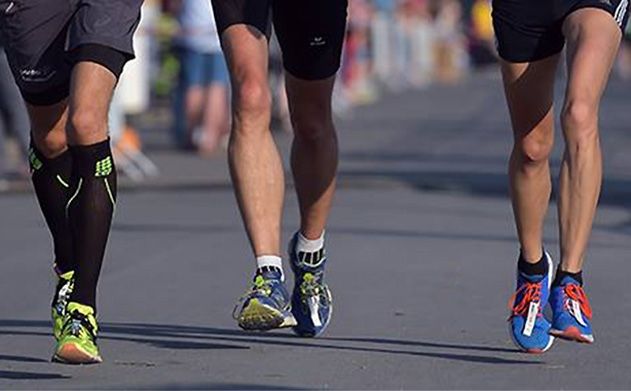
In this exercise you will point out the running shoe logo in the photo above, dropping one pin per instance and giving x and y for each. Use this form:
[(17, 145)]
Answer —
[(575, 310), (317, 41), (533, 311)]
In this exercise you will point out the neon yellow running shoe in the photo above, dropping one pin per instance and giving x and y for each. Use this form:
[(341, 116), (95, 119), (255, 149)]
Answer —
[(65, 285), (77, 344)]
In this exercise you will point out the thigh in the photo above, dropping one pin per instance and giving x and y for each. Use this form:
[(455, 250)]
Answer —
[(311, 34), (34, 33), (527, 30), (529, 89), (593, 38), (254, 13)]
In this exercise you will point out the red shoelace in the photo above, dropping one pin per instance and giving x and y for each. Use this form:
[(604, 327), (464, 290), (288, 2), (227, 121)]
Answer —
[(575, 292), (531, 293)]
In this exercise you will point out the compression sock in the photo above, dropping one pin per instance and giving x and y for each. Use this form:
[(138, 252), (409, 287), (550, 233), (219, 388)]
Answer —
[(90, 211), (51, 181), (532, 269)]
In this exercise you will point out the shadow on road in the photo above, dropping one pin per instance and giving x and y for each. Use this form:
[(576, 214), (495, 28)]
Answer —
[(195, 337), (20, 375)]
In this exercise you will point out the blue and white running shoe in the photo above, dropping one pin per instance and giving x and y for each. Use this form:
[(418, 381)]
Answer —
[(527, 326), (311, 300), (571, 311), (266, 305)]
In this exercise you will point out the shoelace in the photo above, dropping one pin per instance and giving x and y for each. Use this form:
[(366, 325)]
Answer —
[(310, 287), (63, 295), (261, 285), (532, 293), (77, 322), (575, 292)]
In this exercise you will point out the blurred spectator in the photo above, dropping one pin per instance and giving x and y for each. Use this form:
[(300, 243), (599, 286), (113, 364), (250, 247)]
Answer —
[(14, 122), (451, 57), (482, 37), (201, 103), (133, 97)]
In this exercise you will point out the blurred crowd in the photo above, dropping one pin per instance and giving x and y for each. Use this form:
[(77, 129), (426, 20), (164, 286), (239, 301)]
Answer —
[(391, 45)]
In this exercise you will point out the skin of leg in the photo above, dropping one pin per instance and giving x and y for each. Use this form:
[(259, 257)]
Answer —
[(215, 115), (314, 153), (529, 93), (593, 39), (48, 128), (255, 164), (91, 89)]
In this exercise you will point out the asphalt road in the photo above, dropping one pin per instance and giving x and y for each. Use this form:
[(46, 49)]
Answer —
[(422, 257)]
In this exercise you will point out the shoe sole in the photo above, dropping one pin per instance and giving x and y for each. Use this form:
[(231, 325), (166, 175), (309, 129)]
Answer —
[(551, 341), (261, 317), (71, 354), (572, 334)]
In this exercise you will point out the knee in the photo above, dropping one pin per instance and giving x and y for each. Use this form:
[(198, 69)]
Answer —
[(580, 124), (252, 101), (88, 126), (50, 145), (534, 151)]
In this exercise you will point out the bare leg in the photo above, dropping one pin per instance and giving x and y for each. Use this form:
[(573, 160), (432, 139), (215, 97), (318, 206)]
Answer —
[(255, 164), (592, 43), (314, 151), (529, 93)]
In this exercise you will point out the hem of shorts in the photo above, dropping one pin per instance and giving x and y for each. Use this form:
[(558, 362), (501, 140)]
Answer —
[(225, 27), (88, 40), (314, 76), (600, 7), (47, 98), (527, 59)]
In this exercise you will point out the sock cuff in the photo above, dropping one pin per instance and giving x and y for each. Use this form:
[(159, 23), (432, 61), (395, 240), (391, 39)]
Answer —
[(270, 261), (93, 160), (37, 160), (307, 245)]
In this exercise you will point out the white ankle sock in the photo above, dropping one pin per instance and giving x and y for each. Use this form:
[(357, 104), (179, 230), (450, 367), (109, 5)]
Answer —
[(309, 246), (270, 261)]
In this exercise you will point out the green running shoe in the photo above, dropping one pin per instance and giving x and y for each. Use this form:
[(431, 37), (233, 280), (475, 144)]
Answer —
[(77, 344), (65, 285)]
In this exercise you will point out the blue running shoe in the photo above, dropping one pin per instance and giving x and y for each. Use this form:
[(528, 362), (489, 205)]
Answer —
[(266, 305), (311, 300), (571, 312), (528, 327)]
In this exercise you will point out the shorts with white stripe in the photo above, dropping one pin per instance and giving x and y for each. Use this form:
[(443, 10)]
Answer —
[(531, 30)]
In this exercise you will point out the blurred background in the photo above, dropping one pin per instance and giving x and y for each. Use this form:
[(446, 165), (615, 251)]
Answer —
[(173, 99)]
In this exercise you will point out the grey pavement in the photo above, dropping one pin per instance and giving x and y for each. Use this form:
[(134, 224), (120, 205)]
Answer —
[(422, 257)]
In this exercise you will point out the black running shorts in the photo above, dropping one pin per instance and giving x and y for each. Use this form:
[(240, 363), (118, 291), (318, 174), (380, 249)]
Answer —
[(45, 38), (310, 32), (531, 30)]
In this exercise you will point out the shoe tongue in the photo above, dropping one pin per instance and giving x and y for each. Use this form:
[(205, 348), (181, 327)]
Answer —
[(269, 273), (567, 280), (532, 277)]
